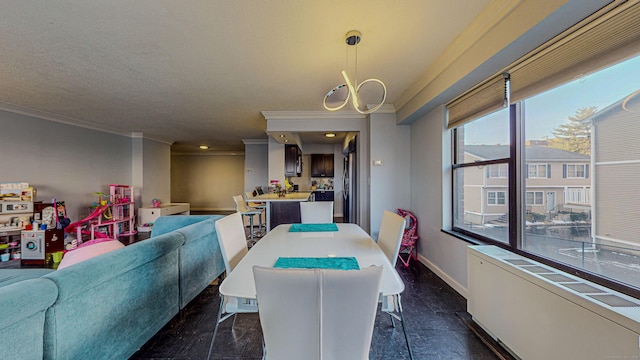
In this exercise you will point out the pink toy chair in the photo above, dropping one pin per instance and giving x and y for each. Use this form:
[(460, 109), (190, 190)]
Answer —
[(409, 237)]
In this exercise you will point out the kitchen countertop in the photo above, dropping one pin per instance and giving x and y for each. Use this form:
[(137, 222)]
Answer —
[(294, 196)]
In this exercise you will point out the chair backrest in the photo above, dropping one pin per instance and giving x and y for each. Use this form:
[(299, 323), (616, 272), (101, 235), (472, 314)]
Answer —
[(233, 241), (241, 206), (390, 235), (316, 212), (317, 314)]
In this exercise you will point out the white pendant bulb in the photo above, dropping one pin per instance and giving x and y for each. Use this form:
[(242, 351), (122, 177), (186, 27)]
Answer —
[(352, 39)]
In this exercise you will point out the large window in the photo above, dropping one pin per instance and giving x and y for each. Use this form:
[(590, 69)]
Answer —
[(561, 168)]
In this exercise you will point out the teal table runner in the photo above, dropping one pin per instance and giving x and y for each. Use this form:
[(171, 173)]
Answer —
[(313, 227), (338, 263)]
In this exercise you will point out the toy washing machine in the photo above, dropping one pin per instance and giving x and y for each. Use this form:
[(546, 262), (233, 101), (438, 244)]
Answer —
[(37, 246)]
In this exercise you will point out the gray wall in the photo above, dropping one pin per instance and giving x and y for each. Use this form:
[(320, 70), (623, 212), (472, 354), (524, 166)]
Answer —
[(256, 164), (62, 161)]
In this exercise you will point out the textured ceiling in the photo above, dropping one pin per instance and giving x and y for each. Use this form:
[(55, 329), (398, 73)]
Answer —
[(199, 72)]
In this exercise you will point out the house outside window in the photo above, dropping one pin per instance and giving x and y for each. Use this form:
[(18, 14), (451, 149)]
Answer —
[(496, 198), (575, 171), (498, 171), (539, 171), (535, 198)]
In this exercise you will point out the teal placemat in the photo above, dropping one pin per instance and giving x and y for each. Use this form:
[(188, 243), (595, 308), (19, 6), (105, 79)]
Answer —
[(338, 263), (313, 227)]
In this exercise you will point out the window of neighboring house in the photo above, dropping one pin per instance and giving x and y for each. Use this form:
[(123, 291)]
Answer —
[(498, 171), (590, 124), (575, 171), (471, 163), (539, 171), (496, 198), (535, 197)]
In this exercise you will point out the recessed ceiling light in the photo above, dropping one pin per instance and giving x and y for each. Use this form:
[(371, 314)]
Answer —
[(285, 140), (330, 135), (203, 147), (282, 135)]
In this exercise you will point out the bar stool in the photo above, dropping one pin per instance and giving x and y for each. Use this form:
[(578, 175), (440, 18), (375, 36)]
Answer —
[(259, 206), (243, 209)]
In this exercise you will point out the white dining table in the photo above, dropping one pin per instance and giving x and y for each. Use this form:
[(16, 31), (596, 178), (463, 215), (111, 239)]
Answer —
[(349, 241)]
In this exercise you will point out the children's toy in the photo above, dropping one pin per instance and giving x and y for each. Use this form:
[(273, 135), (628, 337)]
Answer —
[(110, 219), (409, 237)]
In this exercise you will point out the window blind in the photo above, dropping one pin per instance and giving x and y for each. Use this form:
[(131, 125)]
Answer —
[(483, 99), (607, 37)]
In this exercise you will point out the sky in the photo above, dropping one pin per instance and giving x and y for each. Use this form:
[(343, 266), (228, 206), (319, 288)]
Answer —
[(546, 111)]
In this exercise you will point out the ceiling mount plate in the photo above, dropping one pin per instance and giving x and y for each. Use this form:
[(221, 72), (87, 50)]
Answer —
[(353, 37)]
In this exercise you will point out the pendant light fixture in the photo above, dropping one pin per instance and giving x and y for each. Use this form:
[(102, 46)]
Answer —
[(341, 94)]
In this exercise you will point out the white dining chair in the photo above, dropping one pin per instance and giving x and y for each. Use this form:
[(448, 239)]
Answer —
[(233, 245), (317, 314), (316, 212), (389, 240), (241, 207), (390, 235)]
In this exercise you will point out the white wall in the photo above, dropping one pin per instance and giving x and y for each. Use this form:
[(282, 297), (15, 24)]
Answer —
[(207, 182), (156, 172), (430, 178), (390, 182), (256, 165), (64, 162), (276, 161)]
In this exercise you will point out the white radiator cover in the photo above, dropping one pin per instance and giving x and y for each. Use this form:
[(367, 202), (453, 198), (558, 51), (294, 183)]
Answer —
[(534, 311)]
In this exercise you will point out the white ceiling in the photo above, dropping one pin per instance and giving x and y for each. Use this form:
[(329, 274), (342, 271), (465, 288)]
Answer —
[(200, 72)]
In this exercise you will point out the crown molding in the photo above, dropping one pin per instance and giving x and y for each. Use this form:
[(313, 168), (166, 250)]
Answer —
[(342, 114), (304, 115), (208, 153), (255, 141), (490, 16), (71, 121)]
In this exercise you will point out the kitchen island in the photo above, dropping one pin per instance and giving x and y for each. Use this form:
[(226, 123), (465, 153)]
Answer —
[(281, 210)]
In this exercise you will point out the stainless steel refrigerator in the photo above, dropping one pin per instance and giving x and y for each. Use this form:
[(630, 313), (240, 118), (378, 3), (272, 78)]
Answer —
[(350, 182)]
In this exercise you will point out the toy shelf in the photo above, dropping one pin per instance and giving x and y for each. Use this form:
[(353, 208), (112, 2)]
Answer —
[(118, 219)]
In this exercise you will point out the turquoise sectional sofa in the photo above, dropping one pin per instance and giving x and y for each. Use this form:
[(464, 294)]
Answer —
[(107, 307)]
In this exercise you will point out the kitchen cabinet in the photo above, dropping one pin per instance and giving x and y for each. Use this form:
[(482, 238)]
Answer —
[(292, 160), (321, 165), (323, 195)]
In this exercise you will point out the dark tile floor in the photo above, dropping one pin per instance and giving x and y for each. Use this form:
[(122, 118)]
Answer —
[(430, 307)]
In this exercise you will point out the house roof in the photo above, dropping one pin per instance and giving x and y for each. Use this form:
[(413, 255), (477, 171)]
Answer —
[(533, 153)]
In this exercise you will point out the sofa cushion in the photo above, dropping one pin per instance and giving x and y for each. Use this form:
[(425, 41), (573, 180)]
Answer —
[(10, 276), (110, 305), (89, 251), (200, 258)]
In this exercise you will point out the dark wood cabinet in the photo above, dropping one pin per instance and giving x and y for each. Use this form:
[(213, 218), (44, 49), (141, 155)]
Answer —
[(321, 165), (292, 160), (320, 195)]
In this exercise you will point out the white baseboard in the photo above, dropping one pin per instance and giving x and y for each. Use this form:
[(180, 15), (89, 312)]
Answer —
[(444, 276)]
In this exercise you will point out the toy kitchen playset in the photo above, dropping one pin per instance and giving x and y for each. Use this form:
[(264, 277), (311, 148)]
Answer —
[(19, 213)]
